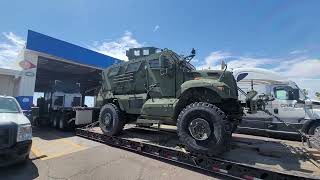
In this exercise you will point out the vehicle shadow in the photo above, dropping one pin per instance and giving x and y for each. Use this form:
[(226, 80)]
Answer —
[(260, 152), (26, 171), (48, 133), (268, 154)]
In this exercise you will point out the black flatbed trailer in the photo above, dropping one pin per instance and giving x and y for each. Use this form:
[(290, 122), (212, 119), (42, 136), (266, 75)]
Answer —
[(250, 157)]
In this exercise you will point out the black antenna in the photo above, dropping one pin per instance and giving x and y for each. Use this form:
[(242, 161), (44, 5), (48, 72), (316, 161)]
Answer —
[(252, 84)]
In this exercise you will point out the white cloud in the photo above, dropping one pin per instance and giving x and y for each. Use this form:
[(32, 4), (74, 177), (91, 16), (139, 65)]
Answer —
[(213, 61), (300, 68), (303, 70), (9, 50), (118, 47), (156, 28), (302, 51)]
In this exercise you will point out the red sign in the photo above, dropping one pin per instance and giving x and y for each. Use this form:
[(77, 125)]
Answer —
[(26, 65)]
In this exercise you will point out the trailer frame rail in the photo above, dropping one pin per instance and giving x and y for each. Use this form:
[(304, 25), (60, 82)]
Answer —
[(209, 164)]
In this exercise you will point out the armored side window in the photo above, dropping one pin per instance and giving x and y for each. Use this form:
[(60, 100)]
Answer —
[(154, 64), (136, 52), (146, 52), (132, 67), (114, 71)]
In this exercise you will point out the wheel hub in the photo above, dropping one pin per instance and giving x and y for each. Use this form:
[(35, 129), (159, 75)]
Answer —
[(107, 119), (200, 129)]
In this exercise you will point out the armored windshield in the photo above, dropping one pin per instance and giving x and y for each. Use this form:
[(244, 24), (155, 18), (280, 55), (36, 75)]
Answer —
[(183, 62)]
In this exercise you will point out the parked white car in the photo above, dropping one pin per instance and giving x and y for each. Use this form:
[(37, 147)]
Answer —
[(15, 132)]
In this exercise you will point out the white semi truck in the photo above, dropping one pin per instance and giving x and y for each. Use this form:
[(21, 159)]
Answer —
[(63, 107), (288, 102)]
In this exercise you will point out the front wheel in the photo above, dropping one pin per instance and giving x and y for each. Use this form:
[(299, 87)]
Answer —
[(111, 119), (204, 129)]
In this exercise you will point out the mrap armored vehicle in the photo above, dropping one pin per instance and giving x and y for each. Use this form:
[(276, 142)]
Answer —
[(158, 86)]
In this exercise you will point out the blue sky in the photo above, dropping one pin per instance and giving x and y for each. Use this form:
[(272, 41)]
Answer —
[(283, 36)]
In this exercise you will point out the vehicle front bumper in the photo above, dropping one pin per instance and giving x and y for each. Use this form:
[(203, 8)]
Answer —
[(17, 153)]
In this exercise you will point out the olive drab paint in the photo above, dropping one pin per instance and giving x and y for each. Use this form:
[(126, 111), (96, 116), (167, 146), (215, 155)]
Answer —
[(156, 84)]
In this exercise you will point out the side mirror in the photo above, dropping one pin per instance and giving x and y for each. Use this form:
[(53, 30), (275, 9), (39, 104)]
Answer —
[(271, 98), (27, 113)]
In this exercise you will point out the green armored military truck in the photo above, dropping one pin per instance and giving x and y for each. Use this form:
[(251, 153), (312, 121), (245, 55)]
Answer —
[(160, 86)]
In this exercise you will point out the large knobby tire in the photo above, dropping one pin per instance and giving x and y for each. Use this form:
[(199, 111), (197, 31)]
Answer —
[(111, 120), (194, 117)]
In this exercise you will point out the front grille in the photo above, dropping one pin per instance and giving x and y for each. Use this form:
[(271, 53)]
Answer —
[(4, 137)]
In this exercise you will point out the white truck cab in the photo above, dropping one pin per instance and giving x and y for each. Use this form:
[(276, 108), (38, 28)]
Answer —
[(15, 132), (287, 102)]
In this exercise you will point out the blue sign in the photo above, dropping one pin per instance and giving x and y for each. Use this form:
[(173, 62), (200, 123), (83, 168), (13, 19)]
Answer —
[(55, 47)]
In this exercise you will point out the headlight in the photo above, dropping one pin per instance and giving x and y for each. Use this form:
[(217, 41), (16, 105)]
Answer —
[(224, 89), (24, 132), (221, 88)]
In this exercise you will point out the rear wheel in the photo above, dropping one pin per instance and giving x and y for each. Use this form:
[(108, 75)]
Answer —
[(62, 123), (56, 120), (111, 119), (204, 129), (52, 117)]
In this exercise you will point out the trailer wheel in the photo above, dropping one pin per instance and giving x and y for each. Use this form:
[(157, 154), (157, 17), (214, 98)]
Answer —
[(52, 117), (111, 119), (204, 129), (56, 120), (62, 122), (315, 129)]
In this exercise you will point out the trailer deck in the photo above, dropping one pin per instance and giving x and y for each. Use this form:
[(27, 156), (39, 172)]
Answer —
[(250, 157)]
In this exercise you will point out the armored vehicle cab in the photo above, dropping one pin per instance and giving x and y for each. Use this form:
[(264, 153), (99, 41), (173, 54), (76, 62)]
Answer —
[(160, 86)]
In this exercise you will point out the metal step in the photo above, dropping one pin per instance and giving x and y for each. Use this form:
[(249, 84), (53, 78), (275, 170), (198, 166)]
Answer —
[(147, 121)]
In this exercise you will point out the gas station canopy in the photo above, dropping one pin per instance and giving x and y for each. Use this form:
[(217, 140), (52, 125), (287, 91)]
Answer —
[(63, 61)]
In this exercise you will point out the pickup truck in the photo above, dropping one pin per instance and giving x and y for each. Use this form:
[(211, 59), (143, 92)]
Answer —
[(287, 102), (15, 132)]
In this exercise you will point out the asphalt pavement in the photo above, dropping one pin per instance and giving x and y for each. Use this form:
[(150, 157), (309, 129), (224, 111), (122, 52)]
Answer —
[(61, 155)]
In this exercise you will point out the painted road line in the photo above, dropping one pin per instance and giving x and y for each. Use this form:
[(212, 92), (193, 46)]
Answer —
[(62, 153), (54, 148), (36, 152), (72, 143)]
